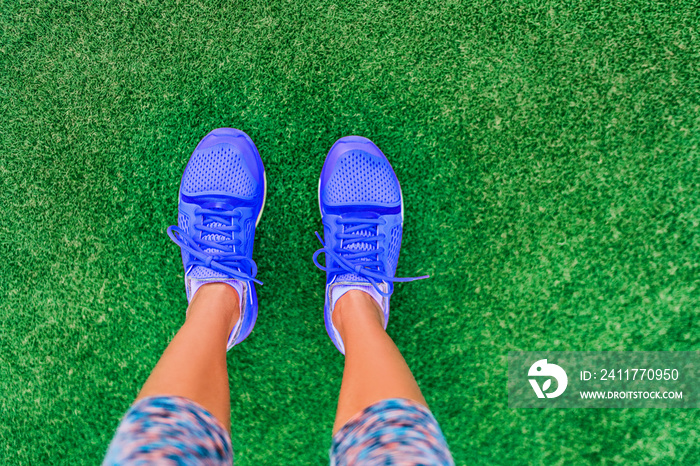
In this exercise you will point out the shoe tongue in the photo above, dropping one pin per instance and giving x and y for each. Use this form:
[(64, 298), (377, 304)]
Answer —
[(216, 238), (201, 272), (337, 291), (360, 246), (352, 278)]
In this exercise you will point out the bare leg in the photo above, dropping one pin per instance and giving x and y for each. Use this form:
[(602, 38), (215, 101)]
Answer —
[(194, 364), (374, 367)]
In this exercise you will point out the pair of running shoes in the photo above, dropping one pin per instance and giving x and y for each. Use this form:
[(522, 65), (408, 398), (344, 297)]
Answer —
[(221, 199)]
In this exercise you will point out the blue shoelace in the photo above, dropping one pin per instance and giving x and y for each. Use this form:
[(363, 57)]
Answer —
[(227, 261), (364, 263)]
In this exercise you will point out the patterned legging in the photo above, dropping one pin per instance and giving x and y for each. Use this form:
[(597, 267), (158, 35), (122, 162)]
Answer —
[(175, 430)]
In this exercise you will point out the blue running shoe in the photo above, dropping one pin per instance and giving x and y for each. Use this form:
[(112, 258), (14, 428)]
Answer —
[(221, 199), (362, 209)]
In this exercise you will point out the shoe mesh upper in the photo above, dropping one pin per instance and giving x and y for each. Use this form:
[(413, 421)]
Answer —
[(361, 177), (395, 246), (218, 168), (183, 222), (248, 231)]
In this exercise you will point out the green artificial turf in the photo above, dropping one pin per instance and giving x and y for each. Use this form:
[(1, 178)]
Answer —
[(549, 158)]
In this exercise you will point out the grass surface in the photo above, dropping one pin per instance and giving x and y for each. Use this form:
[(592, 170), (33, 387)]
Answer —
[(549, 158)]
